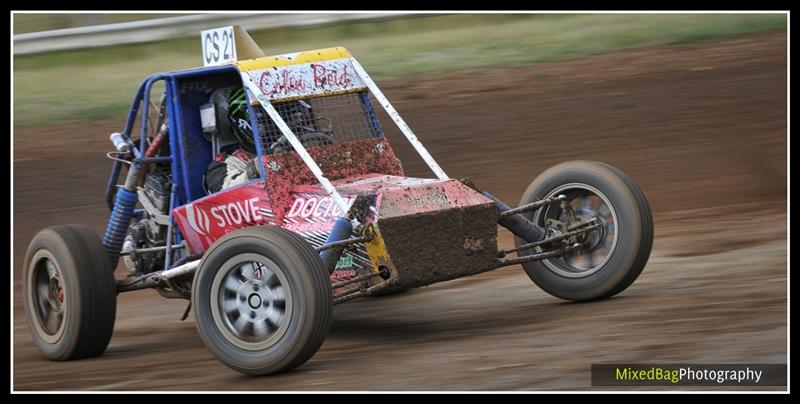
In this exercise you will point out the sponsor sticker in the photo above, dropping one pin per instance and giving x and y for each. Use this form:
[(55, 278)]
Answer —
[(306, 79)]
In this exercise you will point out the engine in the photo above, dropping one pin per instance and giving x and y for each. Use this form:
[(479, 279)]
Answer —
[(151, 230)]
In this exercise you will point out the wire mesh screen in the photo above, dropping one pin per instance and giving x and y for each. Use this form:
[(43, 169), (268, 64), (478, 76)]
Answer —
[(320, 121)]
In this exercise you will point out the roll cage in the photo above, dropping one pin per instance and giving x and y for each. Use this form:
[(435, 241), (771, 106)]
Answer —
[(189, 154)]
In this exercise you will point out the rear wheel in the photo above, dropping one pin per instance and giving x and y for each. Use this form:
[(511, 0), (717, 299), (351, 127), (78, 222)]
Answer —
[(263, 300), (69, 293), (612, 256)]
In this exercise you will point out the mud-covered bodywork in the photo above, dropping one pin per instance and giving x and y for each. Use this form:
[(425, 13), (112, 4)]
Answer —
[(422, 230), (431, 230), (421, 254)]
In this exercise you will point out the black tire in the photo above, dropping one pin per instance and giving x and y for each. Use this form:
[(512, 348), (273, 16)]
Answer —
[(633, 228), (83, 291), (307, 304)]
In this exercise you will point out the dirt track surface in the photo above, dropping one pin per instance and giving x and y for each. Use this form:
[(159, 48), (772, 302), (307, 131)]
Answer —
[(701, 127)]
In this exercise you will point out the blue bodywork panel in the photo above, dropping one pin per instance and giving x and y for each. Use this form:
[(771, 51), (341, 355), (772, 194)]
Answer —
[(191, 152)]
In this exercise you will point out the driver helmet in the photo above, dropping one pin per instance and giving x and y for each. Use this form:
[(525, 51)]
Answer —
[(239, 119)]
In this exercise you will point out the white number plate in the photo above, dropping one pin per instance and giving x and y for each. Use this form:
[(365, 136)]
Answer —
[(218, 46)]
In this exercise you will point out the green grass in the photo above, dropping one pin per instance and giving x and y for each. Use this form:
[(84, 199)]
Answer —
[(97, 83)]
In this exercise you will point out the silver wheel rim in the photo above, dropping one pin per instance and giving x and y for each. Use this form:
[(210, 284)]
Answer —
[(47, 296), (588, 203), (251, 302)]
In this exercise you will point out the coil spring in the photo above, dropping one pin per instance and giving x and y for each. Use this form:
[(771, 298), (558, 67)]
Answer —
[(118, 224)]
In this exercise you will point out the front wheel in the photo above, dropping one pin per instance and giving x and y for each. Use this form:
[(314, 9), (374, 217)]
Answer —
[(612, 256), (263, 300), (69, 292)]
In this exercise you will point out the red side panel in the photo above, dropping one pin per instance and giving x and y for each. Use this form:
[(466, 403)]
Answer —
[(205, 220)]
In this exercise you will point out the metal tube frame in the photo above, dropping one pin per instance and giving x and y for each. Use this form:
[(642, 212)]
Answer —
[(295, 142), (401, 124), (306, 157), (142, 99)]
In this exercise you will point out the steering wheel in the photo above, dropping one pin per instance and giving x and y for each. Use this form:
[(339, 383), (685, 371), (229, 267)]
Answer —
[(310, 139)]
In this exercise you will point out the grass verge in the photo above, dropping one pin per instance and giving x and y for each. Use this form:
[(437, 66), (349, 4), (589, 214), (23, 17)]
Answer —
[(98, 83)]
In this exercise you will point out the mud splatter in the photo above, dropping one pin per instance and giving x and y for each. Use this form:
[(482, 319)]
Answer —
[(336, 162), (442, 245)]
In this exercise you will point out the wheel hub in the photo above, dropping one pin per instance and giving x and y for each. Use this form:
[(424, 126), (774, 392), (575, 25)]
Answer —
[(254, 298), (584, 203), (55, 294), (49, 297), (255, 301), (252, 302), (593, 239)]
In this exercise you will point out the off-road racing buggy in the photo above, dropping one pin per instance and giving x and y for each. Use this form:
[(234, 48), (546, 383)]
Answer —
[(326, 215)]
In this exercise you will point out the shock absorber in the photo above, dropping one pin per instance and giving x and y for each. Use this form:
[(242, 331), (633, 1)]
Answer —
[(517, 224), (154, 147), (340, 231), (162, 131), (122, 213)]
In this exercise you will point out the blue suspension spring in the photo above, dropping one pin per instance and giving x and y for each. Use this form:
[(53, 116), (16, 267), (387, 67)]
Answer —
[(118, 224)]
